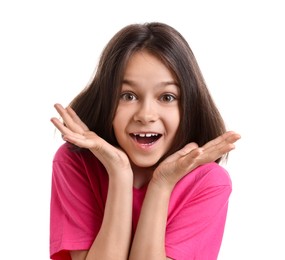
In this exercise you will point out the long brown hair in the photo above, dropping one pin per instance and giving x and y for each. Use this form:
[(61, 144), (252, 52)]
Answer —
[(97, 103)]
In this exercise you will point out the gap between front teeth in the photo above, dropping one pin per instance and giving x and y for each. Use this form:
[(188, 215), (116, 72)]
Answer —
[(146, 135)]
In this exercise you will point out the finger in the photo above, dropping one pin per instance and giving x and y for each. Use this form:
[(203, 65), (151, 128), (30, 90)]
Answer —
[(191, 160), (196, 158), (79, 140), (213, 150), (85, 141), (228, 137), (182, 152), (61, 127), (68, 119), (223, 143), (76, 118), (213, 155)]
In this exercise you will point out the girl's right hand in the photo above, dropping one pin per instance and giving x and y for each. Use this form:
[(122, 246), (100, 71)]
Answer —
[(73, 130)]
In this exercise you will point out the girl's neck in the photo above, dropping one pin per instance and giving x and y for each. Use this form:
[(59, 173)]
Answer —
[(141, 175)]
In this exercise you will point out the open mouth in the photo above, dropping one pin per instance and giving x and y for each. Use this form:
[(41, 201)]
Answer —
[(145, 138)]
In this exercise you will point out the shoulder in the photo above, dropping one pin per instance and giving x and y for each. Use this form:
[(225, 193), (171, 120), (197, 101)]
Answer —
[(208, 183), (206, 176), (212, 174), (66, 153), (67, 160), (197, 213)]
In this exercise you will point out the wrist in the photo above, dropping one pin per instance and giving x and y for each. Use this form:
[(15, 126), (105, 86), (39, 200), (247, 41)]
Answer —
[(123, 178), (160, 188)]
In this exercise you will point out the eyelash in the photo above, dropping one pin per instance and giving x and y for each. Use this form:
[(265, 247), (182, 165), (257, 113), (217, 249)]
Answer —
[(173, 98), (129, 96), (126, 96)]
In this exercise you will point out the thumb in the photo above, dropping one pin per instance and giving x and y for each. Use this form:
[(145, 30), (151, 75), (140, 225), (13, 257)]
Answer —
[(182, 152)]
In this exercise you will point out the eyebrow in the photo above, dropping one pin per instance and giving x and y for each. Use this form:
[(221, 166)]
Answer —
[(161, 84)]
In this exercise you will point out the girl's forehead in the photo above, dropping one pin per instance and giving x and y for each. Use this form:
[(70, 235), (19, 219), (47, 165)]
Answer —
[(143, 62)]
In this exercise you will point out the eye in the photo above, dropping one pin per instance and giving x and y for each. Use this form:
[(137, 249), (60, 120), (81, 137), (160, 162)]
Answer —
[(168, 98), (128, 96)]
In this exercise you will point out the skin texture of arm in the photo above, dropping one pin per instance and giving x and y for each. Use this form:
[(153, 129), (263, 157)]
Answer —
[(154, 211), (150, 234), (114, 238)]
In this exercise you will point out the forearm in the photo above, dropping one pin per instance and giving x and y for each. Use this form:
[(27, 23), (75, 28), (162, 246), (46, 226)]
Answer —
[(149, 240), (113, 239)]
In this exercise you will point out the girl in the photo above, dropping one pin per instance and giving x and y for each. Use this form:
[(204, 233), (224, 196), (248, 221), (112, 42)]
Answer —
[(139, 176)]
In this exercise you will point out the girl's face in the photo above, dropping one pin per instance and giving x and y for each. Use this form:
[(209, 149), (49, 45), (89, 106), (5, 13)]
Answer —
[(147, 117)]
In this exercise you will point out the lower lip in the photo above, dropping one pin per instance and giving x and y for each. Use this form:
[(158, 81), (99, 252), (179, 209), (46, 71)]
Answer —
[(145, 147)]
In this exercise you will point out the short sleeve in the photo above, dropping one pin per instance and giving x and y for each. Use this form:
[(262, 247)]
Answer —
[(77, 203), (197, 214)]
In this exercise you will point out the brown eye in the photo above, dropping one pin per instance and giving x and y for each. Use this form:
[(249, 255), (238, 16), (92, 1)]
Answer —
[(128, 96), (167, 98)]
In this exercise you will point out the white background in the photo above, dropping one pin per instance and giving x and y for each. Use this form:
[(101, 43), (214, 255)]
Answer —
[(48, 52)]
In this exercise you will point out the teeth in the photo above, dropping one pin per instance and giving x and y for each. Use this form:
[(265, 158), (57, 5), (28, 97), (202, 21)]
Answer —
[(146, 135)]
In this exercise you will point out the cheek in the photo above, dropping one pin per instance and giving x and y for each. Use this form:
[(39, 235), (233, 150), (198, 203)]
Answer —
[(116, 126), (173, 120), (119, 122)]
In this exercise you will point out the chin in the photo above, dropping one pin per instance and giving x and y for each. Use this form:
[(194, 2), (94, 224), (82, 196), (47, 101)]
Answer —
[(145, 163)]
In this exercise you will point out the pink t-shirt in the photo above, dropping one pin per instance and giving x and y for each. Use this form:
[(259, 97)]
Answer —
[(196, 216)]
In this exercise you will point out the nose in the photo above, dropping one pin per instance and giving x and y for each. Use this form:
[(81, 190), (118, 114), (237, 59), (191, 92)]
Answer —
[(146, 112)]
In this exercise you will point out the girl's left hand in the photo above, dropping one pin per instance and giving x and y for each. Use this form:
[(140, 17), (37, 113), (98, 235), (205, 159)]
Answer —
[(177, 165)]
